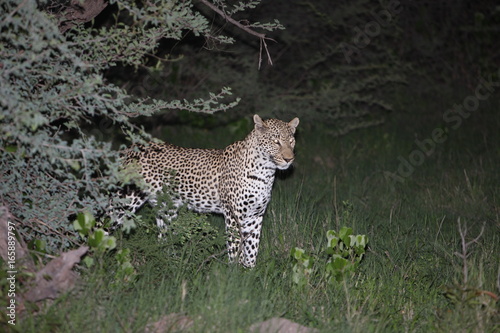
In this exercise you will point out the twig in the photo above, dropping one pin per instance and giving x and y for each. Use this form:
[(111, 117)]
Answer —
[(439, 229), (245, 28), (465, 247)]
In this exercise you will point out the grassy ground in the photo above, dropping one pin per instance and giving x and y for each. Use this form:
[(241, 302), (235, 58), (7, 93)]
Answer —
[(411, 279)]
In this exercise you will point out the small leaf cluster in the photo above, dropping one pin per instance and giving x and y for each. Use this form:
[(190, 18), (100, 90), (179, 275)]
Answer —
[(345, 252), (303, 267), (340, 258), (97, 239)]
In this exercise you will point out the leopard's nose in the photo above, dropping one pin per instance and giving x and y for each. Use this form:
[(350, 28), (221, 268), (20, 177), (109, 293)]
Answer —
[(288, 159)]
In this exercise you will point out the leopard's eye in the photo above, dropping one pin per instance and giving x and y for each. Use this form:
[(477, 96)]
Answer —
[(276, 141)]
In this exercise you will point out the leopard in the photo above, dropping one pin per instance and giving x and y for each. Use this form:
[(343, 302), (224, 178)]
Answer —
[(235, 181)]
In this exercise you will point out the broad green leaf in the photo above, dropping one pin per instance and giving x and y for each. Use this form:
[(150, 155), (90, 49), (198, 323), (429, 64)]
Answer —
[(95, 239), (88, 261), (297, 253), (339, 263), (332, 242), (344, 234), (331, 234), (40, 245)]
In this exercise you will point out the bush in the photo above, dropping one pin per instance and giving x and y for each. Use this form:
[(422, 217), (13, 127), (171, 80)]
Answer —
[(52, 88)]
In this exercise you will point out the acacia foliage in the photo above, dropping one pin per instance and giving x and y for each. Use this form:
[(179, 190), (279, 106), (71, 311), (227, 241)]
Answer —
[(51, 86)]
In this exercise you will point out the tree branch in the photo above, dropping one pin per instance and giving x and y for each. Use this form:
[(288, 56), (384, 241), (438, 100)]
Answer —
[(245, 28), (79, 12)]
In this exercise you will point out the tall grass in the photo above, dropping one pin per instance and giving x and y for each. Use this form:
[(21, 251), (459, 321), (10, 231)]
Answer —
[(411, 279)]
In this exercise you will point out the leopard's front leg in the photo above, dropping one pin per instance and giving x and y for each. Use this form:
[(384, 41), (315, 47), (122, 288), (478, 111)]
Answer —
[(250, 234)]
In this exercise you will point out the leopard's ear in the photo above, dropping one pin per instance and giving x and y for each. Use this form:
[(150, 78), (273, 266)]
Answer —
[(259, 123), (293, 124)]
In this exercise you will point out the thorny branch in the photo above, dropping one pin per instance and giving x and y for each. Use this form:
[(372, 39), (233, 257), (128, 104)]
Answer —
[(262, 37), (78, 11)]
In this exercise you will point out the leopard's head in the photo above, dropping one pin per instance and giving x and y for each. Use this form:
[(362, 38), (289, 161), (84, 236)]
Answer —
[(276, 137)]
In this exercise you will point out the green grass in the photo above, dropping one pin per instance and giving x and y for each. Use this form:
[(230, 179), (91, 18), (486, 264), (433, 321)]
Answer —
[(404, 280)]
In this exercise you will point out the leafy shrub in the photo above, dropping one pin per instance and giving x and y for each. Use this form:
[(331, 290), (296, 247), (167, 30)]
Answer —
[(343, 253)]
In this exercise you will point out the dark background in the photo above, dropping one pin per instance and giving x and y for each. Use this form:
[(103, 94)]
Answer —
[(424, 48)]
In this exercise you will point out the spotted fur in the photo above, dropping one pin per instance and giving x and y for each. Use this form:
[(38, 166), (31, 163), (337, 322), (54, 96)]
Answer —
[(235, 181)]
